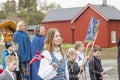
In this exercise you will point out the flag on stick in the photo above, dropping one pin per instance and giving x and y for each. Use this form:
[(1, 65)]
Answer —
[(92, 30), (37, 57), (84, 60)]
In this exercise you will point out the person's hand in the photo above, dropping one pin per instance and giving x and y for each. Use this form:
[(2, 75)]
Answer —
[(81, 69), (89, 44), (87, 58), (103, 73), (78, 76), (54, 65)]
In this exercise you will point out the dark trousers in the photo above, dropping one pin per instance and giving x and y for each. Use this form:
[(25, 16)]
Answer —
[(118, 69), (18, 75)]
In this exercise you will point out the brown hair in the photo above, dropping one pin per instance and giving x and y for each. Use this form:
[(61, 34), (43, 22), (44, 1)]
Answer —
[(96, 48), (37, 29), (49, 40), (10, 58), (78, 44)]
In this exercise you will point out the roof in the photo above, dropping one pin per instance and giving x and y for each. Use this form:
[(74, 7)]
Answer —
[(32, 27), (71, 13), (61, 14), (8, 23), (109, 11)]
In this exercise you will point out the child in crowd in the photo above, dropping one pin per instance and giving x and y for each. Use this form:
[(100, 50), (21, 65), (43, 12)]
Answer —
[(81, 58), (95, 66), (73, 67), (18, 66), (9, 50), (8, 73)]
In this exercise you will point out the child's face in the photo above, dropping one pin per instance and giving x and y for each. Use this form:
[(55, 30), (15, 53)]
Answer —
[(97, 54), (15, 48), (12, 66), (74, 56), (81, 48), (10, 48)]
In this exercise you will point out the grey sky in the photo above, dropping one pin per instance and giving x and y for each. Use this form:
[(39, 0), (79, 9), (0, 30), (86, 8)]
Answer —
[(79, 3)]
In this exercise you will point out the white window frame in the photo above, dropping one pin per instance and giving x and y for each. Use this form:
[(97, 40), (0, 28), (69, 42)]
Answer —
[(113, 36)]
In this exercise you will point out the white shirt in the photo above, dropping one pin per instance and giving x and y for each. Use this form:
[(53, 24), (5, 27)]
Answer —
[(11, 73), (46, 70), (17, 67), (80, 57)]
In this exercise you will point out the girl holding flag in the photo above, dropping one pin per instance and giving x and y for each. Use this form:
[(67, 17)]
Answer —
[(37, 44), (82, 58), (53, 66)]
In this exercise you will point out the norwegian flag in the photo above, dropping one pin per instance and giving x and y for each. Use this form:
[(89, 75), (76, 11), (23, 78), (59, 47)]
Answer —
[(1, 71), (37, 57)]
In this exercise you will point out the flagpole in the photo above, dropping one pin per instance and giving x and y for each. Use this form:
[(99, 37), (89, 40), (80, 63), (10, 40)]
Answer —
[(84, 60), (93, 43), (38, 56), (48, 59)]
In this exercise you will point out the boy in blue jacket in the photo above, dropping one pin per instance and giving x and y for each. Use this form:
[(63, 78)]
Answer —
[(6, 52)]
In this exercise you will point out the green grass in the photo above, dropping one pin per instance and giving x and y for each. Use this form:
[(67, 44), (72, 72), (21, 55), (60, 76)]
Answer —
[(65, 46), (111, 51), (0, 61), (111, 48)]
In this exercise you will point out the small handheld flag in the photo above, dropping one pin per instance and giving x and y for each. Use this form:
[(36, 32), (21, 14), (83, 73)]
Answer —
[(1, 71), (37, 57)]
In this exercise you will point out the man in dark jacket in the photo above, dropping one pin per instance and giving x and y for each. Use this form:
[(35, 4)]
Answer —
[(118, 58), (95, 66)]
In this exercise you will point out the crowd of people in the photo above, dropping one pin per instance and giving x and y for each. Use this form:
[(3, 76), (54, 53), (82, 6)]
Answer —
[(57, 64)]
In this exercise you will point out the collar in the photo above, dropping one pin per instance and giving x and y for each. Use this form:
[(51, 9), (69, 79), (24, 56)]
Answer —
[(57, 49), (9, 52), (11, 73)]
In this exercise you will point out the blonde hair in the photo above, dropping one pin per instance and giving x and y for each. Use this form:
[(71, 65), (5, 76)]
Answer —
[(20, 24), (78, 44), (49, 40), (9, 59), (15, 44), (70, 51)]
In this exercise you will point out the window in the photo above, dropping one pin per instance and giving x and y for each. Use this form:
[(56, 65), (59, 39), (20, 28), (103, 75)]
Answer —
[(113, 36)]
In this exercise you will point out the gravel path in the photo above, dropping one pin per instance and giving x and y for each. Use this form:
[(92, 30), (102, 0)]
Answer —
[(111, 67)]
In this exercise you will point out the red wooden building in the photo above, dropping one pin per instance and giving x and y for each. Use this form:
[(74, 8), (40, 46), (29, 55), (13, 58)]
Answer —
[(74, 22)]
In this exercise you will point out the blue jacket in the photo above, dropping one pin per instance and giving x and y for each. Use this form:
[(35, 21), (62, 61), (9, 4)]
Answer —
[(36, 45), (22, 38), (4, 54)]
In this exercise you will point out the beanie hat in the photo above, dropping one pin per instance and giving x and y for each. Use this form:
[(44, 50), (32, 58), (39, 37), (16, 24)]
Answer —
[(7, 45)]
